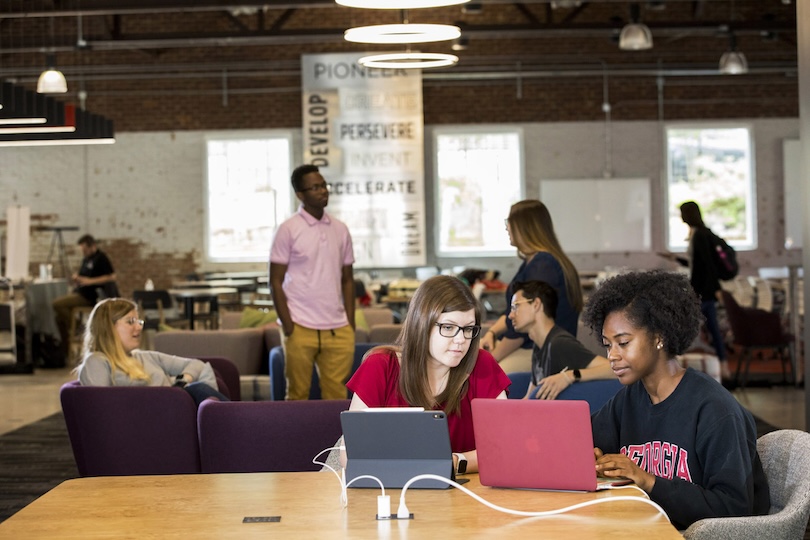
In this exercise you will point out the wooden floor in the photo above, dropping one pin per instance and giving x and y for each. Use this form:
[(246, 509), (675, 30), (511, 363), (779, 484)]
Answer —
[(28, 398)]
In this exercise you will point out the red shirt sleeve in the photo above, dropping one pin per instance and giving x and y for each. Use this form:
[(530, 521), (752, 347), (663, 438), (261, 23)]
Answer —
[(376, 381)]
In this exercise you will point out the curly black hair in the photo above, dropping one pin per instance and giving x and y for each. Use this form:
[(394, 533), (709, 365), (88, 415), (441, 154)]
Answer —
[(662, 303)]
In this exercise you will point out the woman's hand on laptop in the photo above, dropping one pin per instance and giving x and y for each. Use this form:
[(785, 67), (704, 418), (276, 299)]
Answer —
[(619, 465)]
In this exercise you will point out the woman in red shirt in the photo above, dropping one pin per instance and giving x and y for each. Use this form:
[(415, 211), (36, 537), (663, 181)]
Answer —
[(435, 363)]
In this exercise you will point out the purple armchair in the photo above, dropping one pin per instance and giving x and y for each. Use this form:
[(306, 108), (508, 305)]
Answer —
[(131, 430), (227, 375), (267, 436)]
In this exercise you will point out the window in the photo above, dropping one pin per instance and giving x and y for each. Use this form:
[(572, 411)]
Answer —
[(713, 167), (248, 195), (473, 167)]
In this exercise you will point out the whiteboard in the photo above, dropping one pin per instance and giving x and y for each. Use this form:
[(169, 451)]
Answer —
[(601, 214)]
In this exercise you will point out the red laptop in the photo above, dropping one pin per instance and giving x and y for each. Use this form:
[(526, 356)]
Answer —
[(535, 444)]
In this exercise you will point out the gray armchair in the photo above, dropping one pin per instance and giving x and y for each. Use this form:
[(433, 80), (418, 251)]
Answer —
[(785, 457)]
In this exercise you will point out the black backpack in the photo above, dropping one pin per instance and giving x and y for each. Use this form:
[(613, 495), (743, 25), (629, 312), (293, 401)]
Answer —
[(725, 259)]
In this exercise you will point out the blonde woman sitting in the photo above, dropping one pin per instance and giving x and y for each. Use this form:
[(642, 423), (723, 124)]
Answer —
[(110, 355)]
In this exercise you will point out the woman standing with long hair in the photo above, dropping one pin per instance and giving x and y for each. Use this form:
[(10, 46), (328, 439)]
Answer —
[(531, 231)]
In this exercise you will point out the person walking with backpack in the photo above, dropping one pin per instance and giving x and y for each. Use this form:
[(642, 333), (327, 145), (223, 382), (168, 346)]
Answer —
[(704, 276)]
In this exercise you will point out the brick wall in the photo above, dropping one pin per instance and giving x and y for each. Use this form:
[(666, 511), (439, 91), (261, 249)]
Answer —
[(536, 100), (144, 198), (255, 87)]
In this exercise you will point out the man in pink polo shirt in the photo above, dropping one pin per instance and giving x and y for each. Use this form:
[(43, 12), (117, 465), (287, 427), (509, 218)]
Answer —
[(312, 283)]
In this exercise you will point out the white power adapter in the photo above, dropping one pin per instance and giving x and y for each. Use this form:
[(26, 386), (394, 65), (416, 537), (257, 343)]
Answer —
[(383, 507)]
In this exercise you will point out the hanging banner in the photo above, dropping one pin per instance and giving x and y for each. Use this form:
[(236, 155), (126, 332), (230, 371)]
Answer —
[(364, 129)]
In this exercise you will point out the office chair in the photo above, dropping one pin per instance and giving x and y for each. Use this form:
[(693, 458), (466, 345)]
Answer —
[(785, 456)]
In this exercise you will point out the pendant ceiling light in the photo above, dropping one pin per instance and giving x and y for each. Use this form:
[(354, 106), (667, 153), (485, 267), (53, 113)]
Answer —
[(399, 4), (405, 33), (24, 121), (51, 81), (402, 33), (733, 62), (635, 36), (408, 60)]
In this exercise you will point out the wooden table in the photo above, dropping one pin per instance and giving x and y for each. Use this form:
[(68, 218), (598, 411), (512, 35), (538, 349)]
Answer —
[(241, 284), (254, 275), (214, 505), (209, 295)]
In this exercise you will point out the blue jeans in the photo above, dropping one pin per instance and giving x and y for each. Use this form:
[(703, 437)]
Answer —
[(709, 310), (199, 391)]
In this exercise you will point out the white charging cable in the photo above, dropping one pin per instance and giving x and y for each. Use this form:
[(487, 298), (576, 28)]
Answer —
[(404, 513), (383, 500)]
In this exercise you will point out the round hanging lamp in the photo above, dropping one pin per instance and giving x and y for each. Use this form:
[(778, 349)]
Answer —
[(402, 33), (408, 60)]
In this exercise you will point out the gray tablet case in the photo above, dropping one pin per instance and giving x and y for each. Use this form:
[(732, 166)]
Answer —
[(395, 445)]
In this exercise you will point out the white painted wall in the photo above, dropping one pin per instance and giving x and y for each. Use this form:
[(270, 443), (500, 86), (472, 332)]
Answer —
[(148, 187)]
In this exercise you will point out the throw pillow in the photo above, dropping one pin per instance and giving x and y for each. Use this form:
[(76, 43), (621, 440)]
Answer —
[(360, 320), (253, 318)]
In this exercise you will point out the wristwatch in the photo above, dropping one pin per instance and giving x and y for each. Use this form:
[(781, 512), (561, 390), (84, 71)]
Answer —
[(577, 375), (180, 381), (461, 467)]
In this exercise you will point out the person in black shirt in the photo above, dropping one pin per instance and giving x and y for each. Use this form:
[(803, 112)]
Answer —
[(676, 432), (95, 273), (558, 359), (704, 280)]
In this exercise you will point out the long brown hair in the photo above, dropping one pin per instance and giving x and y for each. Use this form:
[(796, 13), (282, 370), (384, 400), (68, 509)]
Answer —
[(690, 213), (101, 337), (533, 230), (437, 295)]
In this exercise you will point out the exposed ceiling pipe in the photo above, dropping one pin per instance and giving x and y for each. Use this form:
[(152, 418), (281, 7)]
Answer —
[(608, 170), (335, 35), (124, 7), (485, 73), (225, 88)]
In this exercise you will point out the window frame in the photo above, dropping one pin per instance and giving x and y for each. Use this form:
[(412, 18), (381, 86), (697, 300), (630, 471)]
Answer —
[(465, 130), (232, 136), (751, 242)]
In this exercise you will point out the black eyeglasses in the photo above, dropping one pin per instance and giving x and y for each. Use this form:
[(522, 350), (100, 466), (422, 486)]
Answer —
[(452, 330), (323, 186)]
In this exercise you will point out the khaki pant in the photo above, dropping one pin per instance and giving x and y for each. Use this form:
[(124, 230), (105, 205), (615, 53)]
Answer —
[(332, 351), (61, 309)]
